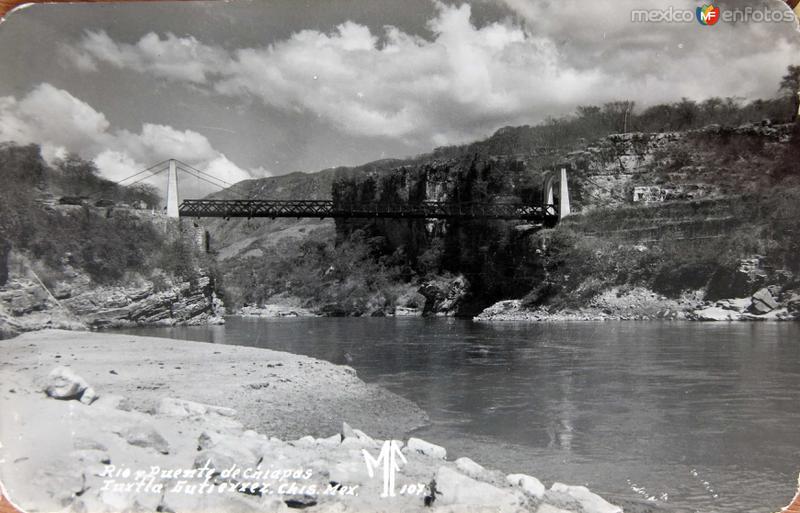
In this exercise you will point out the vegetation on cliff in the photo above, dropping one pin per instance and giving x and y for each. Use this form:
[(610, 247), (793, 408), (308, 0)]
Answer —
[(726, 174), (91, 259), (106, 243)]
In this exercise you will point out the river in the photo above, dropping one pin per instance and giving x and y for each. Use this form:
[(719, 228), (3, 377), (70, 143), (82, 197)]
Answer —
[(681, 416)]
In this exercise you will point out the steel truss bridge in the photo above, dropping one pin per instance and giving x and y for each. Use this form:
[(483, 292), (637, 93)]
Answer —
[(548, 212), (544, 214)]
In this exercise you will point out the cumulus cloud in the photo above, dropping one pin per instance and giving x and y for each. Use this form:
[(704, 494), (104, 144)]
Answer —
[(467, 80), (61, 123), (176, 58)]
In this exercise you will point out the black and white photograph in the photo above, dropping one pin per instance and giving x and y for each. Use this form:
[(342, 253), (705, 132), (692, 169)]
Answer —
[(389, 256)]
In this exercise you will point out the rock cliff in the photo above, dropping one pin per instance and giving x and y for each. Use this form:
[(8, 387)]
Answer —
[(639, 200), (27, 304)]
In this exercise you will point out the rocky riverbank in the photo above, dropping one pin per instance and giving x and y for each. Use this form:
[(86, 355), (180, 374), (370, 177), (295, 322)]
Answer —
[(158, 425), (640, 304), (275, 310), (75, 302)]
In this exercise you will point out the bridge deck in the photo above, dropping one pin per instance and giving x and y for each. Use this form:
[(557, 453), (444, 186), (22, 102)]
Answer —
[(545, 214)]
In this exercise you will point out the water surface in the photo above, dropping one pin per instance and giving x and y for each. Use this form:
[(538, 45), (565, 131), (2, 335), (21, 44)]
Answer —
[(686, 416)]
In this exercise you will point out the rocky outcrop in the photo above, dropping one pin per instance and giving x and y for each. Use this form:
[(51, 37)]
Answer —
[(25, 304), (768, 303), (741, 281), (275, 310), (184, 303), (444, 296)]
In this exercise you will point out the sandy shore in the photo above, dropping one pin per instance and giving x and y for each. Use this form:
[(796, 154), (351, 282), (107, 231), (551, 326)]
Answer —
[(173, 426), (274, 392)]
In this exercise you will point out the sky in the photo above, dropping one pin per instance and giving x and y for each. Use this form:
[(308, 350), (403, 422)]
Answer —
[(248, 89)]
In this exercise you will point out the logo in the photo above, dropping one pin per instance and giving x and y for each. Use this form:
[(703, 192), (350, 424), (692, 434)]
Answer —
[(389, 457), (708, 14)]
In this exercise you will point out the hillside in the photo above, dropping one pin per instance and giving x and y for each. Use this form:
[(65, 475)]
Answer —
[(74, 253), (664, 221), (663, 190)]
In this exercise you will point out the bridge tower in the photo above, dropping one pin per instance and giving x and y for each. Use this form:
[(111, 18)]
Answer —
[(563, 192), (172, 190), (563, 195)]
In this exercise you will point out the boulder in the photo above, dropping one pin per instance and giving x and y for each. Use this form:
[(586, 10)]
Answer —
[(734, 305), (355, 438), (793, 303), (172, 407), (468, 467), (144, 436), (426, 448), (713, 313), (403, 311), (763, 302), (305, 441), (531, 486), (501, 310), (89, 396), (351, 472), (740, 281), (562, 495), (347, 431), (455, 488), (211, 439), (365, 438), (331, 441), (224, 454), (62, 383), (444, 296)]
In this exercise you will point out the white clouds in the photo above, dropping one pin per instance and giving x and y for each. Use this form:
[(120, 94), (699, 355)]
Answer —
[(466, 80), (53, 115), (62, 123), (455, 87), (172, 57)]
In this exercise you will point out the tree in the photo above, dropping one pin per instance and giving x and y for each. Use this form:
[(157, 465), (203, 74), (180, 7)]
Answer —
[(617, 115), (78, 176), (790, 86)]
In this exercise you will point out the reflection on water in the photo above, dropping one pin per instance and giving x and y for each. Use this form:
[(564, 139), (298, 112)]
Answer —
[(698, 417)]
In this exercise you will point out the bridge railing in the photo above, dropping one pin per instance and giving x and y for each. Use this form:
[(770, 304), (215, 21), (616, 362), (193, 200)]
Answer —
[(545, 214)]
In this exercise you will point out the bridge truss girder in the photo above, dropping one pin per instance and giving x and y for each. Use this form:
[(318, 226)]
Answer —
[(544, 214)]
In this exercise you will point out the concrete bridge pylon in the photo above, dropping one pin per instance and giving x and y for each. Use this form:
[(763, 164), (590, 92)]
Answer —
[(563, 196), (172, 190), (564, 208)]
